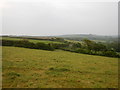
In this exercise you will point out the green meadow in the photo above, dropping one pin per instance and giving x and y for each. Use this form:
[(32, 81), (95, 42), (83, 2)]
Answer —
[(34, 41), (32, 68)]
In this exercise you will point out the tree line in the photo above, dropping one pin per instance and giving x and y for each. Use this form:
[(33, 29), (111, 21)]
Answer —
[(92, 48)]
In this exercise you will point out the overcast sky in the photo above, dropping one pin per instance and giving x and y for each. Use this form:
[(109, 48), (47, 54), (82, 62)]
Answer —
[(57, 17)]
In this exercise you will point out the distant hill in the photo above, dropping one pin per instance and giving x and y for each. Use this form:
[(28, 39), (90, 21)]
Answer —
[(77, 37), (80, 37)]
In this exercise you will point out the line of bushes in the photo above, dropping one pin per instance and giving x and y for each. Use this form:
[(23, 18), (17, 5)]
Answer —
[(65, 47), (107, 53), (27, 44)]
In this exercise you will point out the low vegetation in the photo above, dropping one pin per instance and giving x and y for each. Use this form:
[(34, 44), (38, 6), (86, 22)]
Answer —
[(85, 46), (32, 68), (33, 40)]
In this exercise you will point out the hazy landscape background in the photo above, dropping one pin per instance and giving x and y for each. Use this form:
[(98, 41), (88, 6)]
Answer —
[(59, 43)]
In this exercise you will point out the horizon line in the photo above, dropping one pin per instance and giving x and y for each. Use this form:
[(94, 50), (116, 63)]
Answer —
[(55, 35)]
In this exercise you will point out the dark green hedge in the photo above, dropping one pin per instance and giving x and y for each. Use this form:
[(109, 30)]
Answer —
[(53, 46), (100, 53), (27, 44)]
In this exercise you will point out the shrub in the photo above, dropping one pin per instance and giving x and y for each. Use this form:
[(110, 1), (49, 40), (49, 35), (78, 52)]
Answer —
[(85, 51), (110, 54), (44, 46), (76, 45), (7, 42)]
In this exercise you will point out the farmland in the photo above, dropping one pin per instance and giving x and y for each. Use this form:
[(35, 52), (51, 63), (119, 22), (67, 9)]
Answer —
[(34, 41), (33, 68)]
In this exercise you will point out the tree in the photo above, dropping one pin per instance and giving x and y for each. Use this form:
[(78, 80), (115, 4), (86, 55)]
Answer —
[(91, 45)]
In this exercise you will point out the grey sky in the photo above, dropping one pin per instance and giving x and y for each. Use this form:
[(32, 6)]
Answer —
[(57, 17)]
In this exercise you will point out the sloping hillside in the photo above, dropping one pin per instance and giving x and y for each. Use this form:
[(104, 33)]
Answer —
[(55, 69)]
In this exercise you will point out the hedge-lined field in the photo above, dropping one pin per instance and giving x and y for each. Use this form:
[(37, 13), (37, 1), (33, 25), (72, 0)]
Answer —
[(33, 41), (34, 68)]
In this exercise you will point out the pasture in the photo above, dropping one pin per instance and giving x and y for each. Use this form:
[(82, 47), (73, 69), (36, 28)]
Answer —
[(30, 68)]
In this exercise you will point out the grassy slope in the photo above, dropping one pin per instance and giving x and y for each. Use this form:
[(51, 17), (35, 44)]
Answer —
[(45, 69), (34, 41)]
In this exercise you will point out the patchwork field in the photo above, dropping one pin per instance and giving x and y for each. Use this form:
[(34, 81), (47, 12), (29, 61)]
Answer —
[(34, 41), (57, 69)]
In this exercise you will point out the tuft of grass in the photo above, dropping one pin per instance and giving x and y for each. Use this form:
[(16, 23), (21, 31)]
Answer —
[(59, 69), (13, 74)]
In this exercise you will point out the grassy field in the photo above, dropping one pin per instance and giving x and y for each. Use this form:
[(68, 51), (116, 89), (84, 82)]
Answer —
[(57, 69), (34, 41)]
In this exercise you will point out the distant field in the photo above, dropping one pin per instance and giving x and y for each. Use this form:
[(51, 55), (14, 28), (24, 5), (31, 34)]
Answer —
[(34, 41), (57, 69), (99, 41), (73, 41)]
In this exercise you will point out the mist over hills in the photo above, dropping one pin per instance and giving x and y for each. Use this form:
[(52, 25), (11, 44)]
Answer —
[(77, 37)]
